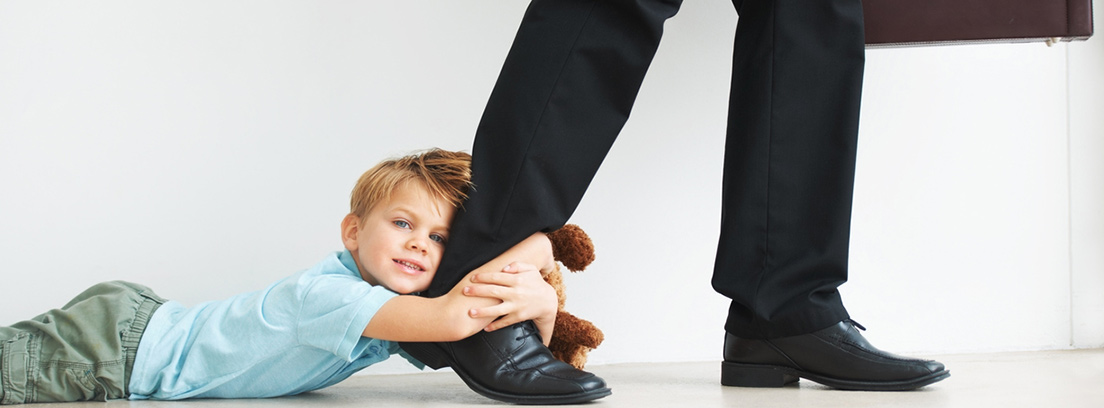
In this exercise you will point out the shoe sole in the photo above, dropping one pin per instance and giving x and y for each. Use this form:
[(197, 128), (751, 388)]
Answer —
[(441, 359), (769, 376)]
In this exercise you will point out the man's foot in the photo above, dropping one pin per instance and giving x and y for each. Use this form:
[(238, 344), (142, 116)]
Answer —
[(512, 365), (837, 356)]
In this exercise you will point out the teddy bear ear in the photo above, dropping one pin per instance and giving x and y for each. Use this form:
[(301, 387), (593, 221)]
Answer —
[(572, 247)]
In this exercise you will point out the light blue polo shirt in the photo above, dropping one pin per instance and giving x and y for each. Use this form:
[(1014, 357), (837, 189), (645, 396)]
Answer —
[(301, 333)]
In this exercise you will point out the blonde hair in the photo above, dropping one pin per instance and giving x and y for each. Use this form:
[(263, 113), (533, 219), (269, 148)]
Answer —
[(445, 174)]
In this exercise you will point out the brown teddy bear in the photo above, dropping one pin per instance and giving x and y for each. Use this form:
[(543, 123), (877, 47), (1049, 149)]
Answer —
[(572, 337)]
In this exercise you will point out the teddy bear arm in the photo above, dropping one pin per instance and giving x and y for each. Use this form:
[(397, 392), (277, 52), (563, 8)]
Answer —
[(572, 329)]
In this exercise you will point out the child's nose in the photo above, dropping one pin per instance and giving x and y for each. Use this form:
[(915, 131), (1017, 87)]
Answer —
[(417, 244)]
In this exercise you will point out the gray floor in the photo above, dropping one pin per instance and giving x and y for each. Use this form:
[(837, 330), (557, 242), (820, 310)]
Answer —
[(1031, 379)]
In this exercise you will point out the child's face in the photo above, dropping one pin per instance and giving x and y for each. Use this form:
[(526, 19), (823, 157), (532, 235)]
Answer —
[(399, 243)]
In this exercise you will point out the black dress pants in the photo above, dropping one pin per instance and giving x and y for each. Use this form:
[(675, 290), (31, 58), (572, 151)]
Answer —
[(567, 87)]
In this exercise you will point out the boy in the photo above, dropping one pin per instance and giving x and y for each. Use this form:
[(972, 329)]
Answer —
[(302, 333)]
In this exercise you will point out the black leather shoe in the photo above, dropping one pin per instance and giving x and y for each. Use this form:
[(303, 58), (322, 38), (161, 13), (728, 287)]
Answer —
[(511, 364), (837, 356)]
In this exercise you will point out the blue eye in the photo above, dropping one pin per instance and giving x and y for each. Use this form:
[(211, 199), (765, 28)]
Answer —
[(438, 238), (401, 224)]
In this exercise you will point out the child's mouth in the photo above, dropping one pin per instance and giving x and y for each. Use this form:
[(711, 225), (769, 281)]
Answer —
[(409, 265)]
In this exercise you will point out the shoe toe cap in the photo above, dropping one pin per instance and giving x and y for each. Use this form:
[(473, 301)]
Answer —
[(570, 378), (934, 366), (591, 383)]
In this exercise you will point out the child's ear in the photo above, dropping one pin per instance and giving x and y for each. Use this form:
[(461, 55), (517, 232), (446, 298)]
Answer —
[(349, 228)]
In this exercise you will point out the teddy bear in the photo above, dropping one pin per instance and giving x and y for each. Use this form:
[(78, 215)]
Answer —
[(572, 337)]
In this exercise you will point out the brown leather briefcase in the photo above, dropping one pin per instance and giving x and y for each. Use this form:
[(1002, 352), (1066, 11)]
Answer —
[(932, 22)]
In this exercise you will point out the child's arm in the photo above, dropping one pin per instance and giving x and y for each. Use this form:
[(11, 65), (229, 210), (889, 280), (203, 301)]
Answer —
[(518, 292)]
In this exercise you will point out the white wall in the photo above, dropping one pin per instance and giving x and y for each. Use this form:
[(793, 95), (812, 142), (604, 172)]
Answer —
[(1086, 95), (206, 148)]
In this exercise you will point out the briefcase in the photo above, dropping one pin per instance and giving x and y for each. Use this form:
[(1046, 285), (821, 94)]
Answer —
[(934, 22)]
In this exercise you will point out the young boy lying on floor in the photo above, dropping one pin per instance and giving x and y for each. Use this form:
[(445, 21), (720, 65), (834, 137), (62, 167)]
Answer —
[(307, 331)]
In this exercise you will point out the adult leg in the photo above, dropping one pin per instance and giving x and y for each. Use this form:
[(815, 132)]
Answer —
[(564, 93), (788, 182), (789, 165)]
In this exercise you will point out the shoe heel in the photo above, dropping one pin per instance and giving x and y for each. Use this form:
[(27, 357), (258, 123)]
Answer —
[(744, 375), (428, 353)]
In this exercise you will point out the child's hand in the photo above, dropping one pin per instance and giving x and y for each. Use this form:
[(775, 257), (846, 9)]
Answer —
[(524, 295)]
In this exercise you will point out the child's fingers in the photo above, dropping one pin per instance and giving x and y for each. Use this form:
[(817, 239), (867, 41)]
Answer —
[(492, 311), (505, 321), (519, 267), (496, 278), (487, 291)]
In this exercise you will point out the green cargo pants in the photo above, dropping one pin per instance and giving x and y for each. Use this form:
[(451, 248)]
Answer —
[(81, 352)]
